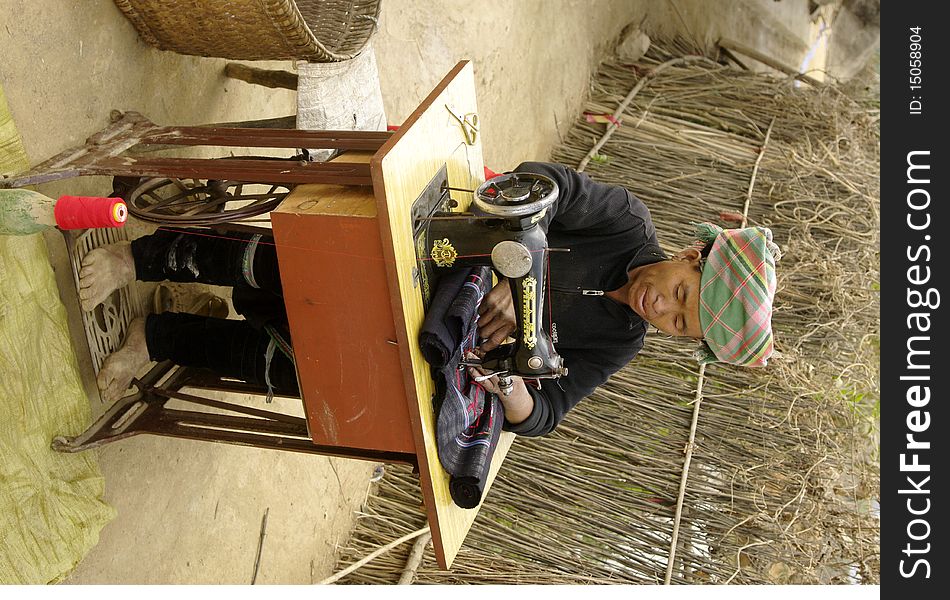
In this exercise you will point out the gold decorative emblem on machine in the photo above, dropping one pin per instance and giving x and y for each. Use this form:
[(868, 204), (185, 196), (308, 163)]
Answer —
[(443, 253), (527, 305)]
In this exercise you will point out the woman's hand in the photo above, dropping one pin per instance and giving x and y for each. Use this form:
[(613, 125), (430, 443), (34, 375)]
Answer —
[(496, 316)]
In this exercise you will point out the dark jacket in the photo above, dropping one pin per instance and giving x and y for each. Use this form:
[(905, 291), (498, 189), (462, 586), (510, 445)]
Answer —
[(608, 231)]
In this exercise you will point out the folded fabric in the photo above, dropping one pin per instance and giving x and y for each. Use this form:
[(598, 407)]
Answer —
[(447, 320), (469, 420), (474, 449)]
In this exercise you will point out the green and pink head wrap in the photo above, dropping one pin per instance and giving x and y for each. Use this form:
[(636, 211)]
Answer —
[(736, 293)]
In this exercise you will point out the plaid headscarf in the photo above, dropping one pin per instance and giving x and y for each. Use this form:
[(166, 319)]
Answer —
[(735, 298)]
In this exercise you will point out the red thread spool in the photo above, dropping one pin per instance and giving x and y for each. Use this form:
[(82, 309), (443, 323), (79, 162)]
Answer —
[(88, 212)]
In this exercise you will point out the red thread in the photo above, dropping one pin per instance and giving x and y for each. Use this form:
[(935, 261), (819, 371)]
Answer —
[(89, 212)]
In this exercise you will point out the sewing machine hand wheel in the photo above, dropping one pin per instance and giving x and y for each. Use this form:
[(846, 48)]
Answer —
[(516, 194)]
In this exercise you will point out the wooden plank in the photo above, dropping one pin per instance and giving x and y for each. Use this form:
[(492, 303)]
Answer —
[(332, 199), (403, 167), (265, 77), (754, 54)]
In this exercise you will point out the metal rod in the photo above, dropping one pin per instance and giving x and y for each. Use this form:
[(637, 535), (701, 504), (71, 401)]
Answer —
[(242, 431), (252, 137), (254, 412), (245, 170)]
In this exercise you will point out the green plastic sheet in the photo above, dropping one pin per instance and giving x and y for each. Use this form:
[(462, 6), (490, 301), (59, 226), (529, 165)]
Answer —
[(51, 506)]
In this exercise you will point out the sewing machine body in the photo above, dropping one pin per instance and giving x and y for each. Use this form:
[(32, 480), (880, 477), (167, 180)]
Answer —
[(504, 234)]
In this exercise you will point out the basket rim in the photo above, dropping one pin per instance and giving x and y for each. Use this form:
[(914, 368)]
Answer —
[(284, 18)]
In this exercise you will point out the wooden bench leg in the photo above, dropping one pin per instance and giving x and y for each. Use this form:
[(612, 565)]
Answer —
[(264, 77)]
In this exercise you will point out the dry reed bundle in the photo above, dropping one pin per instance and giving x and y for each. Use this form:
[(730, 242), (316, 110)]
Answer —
[(783, 471)]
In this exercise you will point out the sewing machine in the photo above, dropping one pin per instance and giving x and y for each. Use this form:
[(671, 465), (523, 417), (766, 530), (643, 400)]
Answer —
[(503, 233)]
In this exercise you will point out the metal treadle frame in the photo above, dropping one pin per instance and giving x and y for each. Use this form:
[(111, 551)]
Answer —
[(120, 150), (109, 152), (145, 412)]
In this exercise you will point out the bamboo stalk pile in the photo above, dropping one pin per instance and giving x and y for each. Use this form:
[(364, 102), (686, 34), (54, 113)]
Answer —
[(784, 468)]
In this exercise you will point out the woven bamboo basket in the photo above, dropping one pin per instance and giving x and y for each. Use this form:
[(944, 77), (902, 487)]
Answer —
[(311, 30)]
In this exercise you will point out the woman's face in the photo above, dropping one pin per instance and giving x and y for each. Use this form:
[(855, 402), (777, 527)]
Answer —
[(666, 294)]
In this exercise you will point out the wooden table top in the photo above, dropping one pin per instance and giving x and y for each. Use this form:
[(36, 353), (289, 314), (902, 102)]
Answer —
[(428, 140)]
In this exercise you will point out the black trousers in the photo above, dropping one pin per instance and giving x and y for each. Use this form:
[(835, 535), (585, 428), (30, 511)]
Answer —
[(257, 349)]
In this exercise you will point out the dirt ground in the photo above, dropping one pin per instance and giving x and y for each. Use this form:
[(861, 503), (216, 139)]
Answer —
[(190, 512)]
